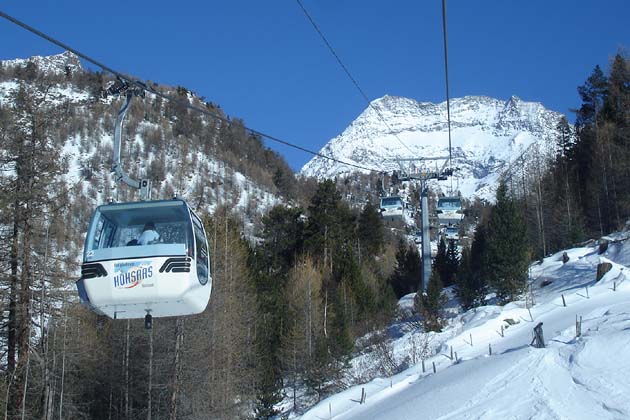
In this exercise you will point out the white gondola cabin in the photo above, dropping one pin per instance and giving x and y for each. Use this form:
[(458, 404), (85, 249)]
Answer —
[(449, 210), (128, 272), (451, 233), (391, 207)]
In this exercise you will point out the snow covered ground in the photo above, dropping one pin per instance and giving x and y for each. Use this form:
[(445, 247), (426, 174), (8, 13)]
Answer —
[(572, 378)]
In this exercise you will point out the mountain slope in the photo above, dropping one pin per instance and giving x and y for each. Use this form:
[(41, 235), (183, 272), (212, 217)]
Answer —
[(182, 152), (487, 134), (576, 378)]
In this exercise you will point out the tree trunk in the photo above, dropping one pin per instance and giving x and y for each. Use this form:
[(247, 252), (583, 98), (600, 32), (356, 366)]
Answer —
[(126, 368), (23, 318), (540, 207), (325, 313), (49, 400), (149, 399), (599, 216), (606, 192), (179, 339), (28, 364), (309, 315), (566, 181), (44, 329), (228, 298), (12, 321), (63, 359), (613, 185)]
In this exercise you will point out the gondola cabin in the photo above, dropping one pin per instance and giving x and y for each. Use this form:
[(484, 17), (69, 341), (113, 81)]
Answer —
[(451, 234), (145, 258), (449, 210), (391, 207)]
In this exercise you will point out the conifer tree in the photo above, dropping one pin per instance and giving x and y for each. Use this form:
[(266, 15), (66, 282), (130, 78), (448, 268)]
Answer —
[(615, 132), (478, 264), (406, 276), (270, 264), (588, 155), (562, 176), (451, 264), (431, 303), (506, 252), (465, 291), (617, 103), (471, 284), (329, 224), (370, 231), (439, 262), (283, 235)]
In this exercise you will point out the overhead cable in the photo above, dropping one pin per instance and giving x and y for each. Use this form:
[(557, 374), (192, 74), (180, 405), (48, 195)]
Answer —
[(352, 79), (169, 98), (448, 101)]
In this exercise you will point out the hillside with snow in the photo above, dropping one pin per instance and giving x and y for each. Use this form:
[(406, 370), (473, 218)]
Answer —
[(182, 153), (487, 135), (59, 64), (583, 377)]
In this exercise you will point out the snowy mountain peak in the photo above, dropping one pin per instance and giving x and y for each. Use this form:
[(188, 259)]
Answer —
[(486, 135), (52, 64)]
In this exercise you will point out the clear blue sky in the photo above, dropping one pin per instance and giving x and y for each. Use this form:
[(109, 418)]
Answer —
[(263, 62)]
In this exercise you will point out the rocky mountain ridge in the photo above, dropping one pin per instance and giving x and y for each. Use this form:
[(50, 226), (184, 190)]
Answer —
[(57, 64), (487, 134)]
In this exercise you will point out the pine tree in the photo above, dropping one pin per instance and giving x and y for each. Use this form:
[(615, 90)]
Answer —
[(593, 94), (478, 264), (616, 107), (439, 262), (588, 155), (451, 264), (370, 231), (431, 304), (506, 252), (330, 224), (413, 269), (615, 132), (406, 276), (283, 237), (465, 287), (562, 176), (270, 263), (471, 284)]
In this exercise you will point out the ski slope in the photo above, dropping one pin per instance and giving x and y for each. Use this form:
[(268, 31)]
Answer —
[(572, 378)]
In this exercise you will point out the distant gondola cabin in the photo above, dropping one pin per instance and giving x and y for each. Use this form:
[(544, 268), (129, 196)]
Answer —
[(449, 210), (391, 207)]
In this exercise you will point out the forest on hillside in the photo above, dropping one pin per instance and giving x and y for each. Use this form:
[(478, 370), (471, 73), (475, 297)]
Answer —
[(59, 359), (288, 305), (580, 193)]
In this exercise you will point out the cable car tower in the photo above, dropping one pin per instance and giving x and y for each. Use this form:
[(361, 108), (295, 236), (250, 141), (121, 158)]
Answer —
[(423, 176), (145, 258), (441, 174)]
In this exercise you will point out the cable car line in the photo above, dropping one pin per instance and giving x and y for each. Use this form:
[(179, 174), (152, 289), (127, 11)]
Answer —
[(448, 101), (391, 205), (169, 98), (352, 79), (147, 258)]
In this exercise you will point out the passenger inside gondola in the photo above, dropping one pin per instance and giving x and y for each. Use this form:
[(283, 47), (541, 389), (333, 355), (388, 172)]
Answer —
[(149, 234), (163, 228)]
